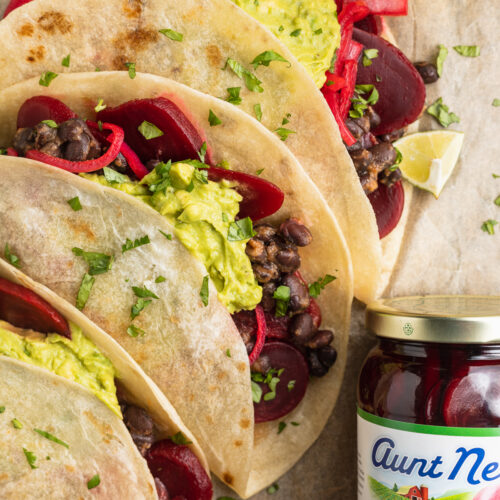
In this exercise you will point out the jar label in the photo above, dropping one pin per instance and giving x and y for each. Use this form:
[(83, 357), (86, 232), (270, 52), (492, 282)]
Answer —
[(399, 460)]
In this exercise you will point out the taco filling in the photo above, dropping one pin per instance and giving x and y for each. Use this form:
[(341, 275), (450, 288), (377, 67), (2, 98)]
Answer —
[(33, 332), (149, 149)]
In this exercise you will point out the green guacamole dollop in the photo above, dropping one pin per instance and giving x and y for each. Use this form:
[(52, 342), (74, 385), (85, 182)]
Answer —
[(201, 212), (77, 359), (319, 36)]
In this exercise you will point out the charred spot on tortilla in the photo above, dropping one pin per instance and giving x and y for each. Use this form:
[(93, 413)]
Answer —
[(228, 479), (55, 21), (132, 8), (37, 54), (238, 443), (245, 423), (25, 30), (214, 56)]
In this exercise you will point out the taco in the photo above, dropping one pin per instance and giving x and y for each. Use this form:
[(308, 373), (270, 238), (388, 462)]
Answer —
[(210, 46), (79, 418), (194, 269)]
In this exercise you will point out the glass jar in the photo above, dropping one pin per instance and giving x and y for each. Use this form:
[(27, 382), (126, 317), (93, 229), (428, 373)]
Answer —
[(429, 400)]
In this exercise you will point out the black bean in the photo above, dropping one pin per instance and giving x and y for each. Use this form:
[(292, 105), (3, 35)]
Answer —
[(354, 128), (24, 140), (428, 72), (119, 164), (265, 271), (272, 249), (267, 302), (44, 134), (327, 355), (52, 149), (361, 159), (288, 260), (71, 130), (262, 365), (264, 232), (301, 328), (296, 232), (77, 150), (161, 490), (367, 141), (390, 177), (138, 421), (151, 164), (299, 293), (373, 117), (256, 250), (316, 368), (393, 136), (322, 338), (364, 123), (384, 155), (368, 181)]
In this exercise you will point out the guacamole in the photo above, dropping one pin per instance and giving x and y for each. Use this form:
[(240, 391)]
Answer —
[(309, 28), (77, 359), (201, 212)]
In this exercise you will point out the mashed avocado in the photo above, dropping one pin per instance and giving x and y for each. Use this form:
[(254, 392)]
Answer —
[(77, 359), (309, 28), (201, 212)]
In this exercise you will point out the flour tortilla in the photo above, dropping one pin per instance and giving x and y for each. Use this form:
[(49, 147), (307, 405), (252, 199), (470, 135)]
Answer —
[(36, 37), (184, 349), (99, 442)]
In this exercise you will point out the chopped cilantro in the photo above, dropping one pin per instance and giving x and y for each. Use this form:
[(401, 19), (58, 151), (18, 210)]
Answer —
[(179, 438), (497, 201), (50, 123), (441, 57), (258, 172), (286, 119), (319, 31), (130, 245), (316, 287), (47, 78), (75, 204), (131, 69), (265, 58), (234, 95), (269, 396), (202, 152), (281, 28), (273, 489), (93, 482), (114, 177), (11, 258), (160, 279), (296, 32), (2, 409), (489, 226), (495, 103), (360, 104), (467, 50), (213, 119), (149, 131), (204, 291), (99, 263), (397, 161), (173, 35), (442, 113), (168, 236), (256, 392), (368, 55), (291, 385), (16, 424), (228, 353), (251, 81), (144, 292), (240, 230), (495, 176), (282, 296), (3, 151), (284, 133), (378, 78), (139, 306), (295, 424), (258, 111), (51, 437), (84, 291), (135, 331), (31, 458), (100, 106), (66, 60), (281, 427)]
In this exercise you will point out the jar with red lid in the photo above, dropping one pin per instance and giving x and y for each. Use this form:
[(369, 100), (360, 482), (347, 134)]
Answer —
[(429, 400)]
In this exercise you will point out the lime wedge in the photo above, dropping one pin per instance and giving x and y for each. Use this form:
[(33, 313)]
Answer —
[(429, 158)]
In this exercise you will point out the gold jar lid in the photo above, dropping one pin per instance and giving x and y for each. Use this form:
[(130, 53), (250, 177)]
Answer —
[(451, 319)]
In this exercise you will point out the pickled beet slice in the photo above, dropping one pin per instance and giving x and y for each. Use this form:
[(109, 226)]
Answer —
[(261, 198), (466, 401), (370, 24), (277, 328), (181, 140), (401, 88), (23, 308), (179, 470), (387, 203), (39, 108), (283, 357), (433, 414)]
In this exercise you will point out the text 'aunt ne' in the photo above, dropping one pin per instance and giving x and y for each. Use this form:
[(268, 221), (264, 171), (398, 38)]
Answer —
[(468, 461)]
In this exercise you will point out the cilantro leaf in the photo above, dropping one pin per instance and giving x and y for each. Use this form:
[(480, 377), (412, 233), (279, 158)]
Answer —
[(173, 35), (441, 57), (282, 296), (265, 58), (11, 258), (144, 292), (442, 113), (296, 32), (316, 287), (368, 55), (99, 263), (488, 226), (47, 78), (168, 236), (50, 123), (2, 409), (273, 489), (281, 427), (75, 204), (114, 177), (284, 133), (319, 31), (202, 152), (251, 81), (149, 131), (130, 245), (291, 385), (258, 111), (16, 424), (179, 438), (234, 95), (228, 353), (495, 103), (258, 172), (135, 331), (256, 392), (139, 306), (468, 50), (66, 60), (240, 230), (100, 106), (204, 291), (84, 291), (93, 482), (51, 437), (131, 69), (160, 279), (213, 119), (31, 458)]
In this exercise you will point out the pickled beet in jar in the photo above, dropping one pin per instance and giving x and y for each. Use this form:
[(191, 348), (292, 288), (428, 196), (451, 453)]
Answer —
[(429, 400)]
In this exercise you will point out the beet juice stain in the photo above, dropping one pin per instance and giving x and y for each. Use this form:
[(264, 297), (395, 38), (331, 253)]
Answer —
[(429, 399)]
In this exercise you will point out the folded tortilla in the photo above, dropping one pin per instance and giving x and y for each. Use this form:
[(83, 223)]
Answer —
[(98, 441), (106, 35), (185, 348)]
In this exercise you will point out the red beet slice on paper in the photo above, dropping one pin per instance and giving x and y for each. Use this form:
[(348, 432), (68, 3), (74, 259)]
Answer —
[(388, 204)]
